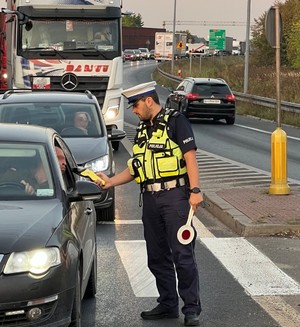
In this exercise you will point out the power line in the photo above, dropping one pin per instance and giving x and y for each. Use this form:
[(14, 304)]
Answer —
[(204, 23)]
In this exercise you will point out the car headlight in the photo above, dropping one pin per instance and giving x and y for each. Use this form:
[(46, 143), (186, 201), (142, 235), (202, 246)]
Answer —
[(100, 164), (36, 261), (112, 112)]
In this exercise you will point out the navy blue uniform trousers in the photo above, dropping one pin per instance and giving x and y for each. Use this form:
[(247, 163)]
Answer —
[(164, 212)]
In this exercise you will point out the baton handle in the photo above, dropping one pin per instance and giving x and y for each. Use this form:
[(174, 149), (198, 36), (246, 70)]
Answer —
[(190, 217)]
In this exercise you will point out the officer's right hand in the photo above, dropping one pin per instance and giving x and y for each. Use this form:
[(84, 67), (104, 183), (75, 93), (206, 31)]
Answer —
[(107, 183)]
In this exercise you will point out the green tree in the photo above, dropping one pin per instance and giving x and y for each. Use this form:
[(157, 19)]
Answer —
[(132, 21), (291, 29), (263, 53)]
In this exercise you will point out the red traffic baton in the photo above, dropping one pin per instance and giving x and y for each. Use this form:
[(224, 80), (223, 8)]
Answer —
[(186, 233)]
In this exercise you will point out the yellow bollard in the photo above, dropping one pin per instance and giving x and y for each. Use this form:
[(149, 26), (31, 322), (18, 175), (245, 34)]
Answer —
[(279, 163)]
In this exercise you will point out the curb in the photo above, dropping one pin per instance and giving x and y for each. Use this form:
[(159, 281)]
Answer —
[(240, 223)]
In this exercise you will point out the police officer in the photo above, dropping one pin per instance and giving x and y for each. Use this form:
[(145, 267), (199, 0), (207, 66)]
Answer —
[(164, 164)]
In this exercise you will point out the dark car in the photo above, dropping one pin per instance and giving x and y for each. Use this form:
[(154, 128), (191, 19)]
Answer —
[(48, 259), (203, 98), (129, 55), (90, 145), (152, 54)]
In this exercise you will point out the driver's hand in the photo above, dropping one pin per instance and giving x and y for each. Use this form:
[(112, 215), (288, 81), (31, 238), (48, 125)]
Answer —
[(28, 188)]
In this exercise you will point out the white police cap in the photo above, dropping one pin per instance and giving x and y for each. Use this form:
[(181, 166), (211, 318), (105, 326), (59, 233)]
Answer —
[(136, 92)]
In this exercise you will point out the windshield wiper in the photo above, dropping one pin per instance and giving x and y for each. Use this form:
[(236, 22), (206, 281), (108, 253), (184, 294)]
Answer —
[(47, 48), (91, 52)]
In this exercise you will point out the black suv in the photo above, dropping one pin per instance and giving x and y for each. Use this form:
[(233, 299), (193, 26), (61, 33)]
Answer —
[(203, 98), (79, 120)]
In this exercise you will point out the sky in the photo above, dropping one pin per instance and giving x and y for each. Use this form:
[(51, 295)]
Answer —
[(154, 12)]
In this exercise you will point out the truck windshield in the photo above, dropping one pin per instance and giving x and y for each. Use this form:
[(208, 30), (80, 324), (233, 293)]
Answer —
[(71, 36)]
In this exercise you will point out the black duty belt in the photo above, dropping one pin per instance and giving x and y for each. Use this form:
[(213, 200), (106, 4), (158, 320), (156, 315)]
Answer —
[(156, 187)]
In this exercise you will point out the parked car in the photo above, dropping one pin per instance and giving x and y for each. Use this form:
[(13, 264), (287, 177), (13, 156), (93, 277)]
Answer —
[(90, 145), (129, 55), (152, 54), (236, 52), (145, 53), (48, 252), (203, 98)]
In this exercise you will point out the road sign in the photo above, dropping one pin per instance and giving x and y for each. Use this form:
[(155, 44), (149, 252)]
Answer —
[(180, 45), (270, 27), (217, 39)]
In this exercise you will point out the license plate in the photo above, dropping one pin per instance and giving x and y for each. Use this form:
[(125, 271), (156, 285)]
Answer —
[(214, 101)]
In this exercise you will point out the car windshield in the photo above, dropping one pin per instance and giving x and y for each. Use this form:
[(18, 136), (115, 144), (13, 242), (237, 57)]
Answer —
[(25, 172), (68, 119), (210, 89)]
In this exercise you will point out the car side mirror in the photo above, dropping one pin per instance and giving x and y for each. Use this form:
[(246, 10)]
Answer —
[(116, 134), (85, 190)]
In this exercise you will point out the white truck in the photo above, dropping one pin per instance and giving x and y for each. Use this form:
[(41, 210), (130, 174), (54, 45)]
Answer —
[(164, 46), (68, 45)]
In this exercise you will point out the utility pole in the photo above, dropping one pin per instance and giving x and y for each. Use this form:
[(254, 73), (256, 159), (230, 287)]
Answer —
[(173, 44), (246, 68)]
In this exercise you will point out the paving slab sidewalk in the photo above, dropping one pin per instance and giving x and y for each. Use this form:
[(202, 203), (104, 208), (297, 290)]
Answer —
[(251, 211)]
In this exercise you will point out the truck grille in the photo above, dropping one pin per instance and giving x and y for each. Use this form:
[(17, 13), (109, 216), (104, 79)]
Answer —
[(96, 85)]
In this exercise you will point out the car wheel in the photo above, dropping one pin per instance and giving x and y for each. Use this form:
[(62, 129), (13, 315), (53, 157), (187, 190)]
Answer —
[(76, 310), (107, 214), (230, 120), (91, 287), (115, 145)]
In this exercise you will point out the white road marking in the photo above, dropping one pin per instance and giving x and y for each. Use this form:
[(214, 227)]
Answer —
[(122, 222), (134, 258), (265, 132), (202, 231), (255, 272), (279, 310), (252, 269)]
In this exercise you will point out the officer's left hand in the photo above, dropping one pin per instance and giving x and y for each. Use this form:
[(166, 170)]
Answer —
[(195, 200)]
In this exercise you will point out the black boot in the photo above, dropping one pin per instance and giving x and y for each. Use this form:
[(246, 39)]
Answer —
[(160, 312)]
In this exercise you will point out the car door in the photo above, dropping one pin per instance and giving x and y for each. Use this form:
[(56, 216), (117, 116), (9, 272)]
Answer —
[(81, 214), (173, 97)]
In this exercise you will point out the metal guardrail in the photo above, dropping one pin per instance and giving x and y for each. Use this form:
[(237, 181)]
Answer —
[(255, 99)]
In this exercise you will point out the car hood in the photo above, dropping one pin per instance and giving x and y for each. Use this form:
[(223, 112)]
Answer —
[(28, 224), (86, 149)]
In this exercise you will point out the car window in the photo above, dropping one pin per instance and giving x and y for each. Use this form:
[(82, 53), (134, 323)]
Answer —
[(68, 177), (55, 115), (210, 89), (180, 87), (81, 120), (21, 165)]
